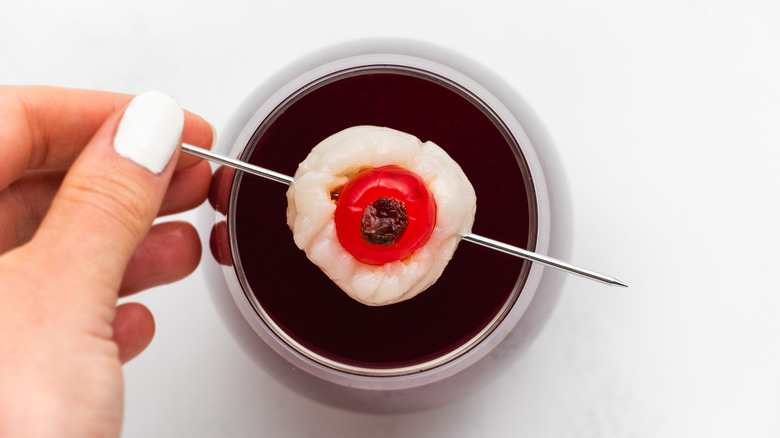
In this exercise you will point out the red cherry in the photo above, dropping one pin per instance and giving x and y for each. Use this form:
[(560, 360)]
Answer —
[(384, 214)]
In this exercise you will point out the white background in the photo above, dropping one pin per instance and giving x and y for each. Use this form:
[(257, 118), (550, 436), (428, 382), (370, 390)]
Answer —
[(667, 117)]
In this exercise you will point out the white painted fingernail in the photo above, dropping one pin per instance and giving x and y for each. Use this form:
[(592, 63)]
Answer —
[(150, 130)]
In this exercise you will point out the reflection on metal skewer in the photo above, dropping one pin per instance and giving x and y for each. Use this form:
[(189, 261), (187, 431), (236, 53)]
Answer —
[(473, 238), (543, 259), (237, 164)]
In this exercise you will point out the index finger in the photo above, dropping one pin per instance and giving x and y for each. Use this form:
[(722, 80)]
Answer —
[(47, 127)]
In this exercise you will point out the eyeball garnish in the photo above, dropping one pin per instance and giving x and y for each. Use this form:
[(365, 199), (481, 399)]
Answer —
[(380, 212)]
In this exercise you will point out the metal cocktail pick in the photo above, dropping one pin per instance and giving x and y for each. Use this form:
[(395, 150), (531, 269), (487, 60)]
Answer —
[(473, 238)]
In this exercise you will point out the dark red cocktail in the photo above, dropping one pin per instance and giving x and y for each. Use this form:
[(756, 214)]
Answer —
[(477, 283)]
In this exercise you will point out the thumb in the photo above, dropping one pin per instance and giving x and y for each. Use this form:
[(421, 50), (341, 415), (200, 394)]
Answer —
[(110, 196)]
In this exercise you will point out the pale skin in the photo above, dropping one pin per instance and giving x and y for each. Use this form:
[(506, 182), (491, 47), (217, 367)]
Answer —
[(77, 233)]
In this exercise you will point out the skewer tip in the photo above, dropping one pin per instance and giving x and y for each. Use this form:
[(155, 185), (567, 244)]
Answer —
[(616, 282)]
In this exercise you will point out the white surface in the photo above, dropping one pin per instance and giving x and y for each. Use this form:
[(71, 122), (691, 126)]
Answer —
[(667, 115)]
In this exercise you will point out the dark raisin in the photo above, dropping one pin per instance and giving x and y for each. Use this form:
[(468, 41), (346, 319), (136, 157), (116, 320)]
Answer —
[(384, 221)]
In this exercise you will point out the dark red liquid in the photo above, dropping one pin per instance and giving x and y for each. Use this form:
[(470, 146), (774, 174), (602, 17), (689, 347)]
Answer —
[(303, 301)]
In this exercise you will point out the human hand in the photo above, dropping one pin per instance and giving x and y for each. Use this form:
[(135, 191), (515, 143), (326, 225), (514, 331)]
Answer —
[(76, 233)]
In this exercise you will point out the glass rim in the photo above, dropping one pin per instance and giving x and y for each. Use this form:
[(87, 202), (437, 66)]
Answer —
[(320, 78)]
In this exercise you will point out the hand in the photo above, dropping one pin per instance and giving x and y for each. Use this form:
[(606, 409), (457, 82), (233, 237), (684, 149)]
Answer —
[(78, 197)]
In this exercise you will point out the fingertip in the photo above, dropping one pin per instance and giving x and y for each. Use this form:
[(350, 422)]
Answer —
[(219, 244), (197, 132), (170, 252), (134, 329), (220, 188)]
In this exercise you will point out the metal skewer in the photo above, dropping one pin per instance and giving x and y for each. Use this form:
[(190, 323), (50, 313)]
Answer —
[(473, 238), (237, 164)]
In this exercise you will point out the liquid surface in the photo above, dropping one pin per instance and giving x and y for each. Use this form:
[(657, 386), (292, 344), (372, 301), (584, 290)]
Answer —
[(475, 285)]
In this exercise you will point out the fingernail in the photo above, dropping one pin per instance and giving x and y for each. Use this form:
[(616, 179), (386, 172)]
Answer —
[(213, 135), (150, 130)]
